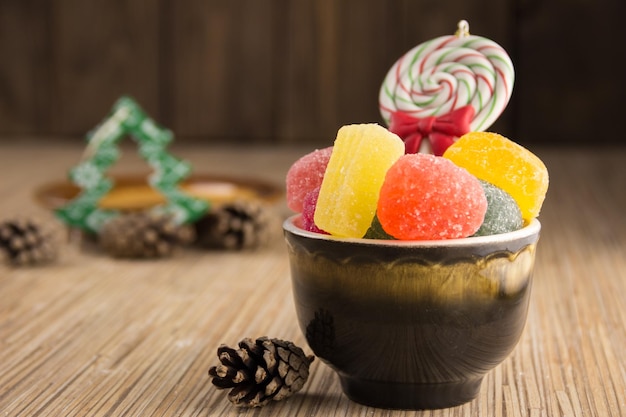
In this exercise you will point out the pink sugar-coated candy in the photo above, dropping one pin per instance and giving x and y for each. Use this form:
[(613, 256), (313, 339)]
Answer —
[(305, 175), (308, 211), (426, 197)]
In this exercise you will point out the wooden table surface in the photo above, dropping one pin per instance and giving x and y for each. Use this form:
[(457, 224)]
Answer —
[(93, 336)]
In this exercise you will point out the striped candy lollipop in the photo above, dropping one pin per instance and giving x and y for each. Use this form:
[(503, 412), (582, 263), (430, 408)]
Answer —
[(444, 88)]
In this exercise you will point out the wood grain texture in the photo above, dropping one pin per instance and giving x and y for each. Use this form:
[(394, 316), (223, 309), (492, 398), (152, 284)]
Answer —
[(223, 71), (563, 95), (25, 53), (293, 72), (93, 336), (222, 68), (101, 50)]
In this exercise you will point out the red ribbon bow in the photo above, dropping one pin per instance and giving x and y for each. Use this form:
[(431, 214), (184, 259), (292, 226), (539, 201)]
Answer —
[(440, 131)]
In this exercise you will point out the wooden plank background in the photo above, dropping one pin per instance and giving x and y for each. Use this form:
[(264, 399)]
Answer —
[(279, 71)]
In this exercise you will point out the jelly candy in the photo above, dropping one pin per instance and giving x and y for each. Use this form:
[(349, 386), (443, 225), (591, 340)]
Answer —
[(348, 196), (425, 197), (305, 175), (376, 231), (308, 211), (503, 214), (505, 164)]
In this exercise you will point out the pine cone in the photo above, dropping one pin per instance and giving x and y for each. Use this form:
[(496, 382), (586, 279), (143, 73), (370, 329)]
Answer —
[(260, 371), (143, 235), (27, 241), (238, 225)]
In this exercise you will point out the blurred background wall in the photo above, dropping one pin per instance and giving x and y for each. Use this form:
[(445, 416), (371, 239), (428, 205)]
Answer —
[(287, 72)]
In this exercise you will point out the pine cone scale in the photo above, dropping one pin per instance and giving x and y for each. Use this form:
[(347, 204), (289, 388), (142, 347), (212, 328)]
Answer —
[(260, 375), (284, 393), (229, 357), (269, 357), (274, 385), (221, 383), (246, 358), (238, 393)]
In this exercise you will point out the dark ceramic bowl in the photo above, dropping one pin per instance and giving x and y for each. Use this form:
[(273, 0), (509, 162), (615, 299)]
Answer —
[(411, 325)]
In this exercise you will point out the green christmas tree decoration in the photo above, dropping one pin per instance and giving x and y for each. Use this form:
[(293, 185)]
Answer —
[(128, 119)]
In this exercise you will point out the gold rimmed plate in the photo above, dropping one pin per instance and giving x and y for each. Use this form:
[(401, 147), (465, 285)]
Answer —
[(132, 192)]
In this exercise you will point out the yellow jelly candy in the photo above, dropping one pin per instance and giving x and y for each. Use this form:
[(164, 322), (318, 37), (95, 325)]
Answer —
[(505, 164), (348, 196)]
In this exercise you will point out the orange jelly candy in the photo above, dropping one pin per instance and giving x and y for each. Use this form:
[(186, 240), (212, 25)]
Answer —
[(505, 164), (426, 197)]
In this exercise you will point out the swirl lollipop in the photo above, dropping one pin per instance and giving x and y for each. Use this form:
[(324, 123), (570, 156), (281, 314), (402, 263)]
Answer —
[(444, 88)]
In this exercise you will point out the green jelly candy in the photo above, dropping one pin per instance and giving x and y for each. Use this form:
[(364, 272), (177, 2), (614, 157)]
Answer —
[(503, 213), (376, 231)]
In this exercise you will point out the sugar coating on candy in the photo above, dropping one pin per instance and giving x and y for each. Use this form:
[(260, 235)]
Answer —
[(305, 175), (503, 214), (348, 196), (505, 164), (308, 211), (426, 197)]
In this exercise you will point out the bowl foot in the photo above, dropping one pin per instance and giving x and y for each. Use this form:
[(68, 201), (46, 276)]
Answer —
[(407, 396)]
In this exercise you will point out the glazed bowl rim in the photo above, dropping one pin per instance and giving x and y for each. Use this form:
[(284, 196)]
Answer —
[(530, 229)]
